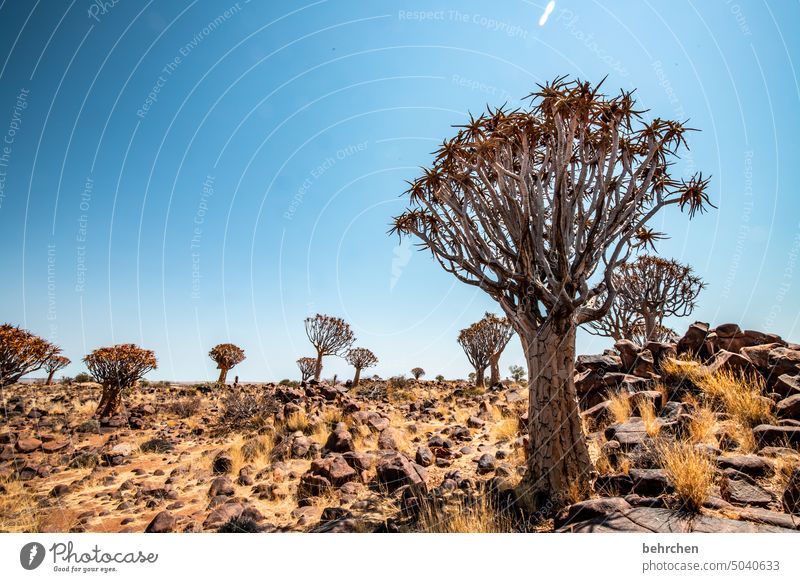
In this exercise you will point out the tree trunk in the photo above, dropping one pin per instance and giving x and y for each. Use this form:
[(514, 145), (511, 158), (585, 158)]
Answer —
[(50, 377), (318, 367), (494, 378), (649, 326), (110, 402), (558, 457), (357, 377), (480, 374), (223, 375)]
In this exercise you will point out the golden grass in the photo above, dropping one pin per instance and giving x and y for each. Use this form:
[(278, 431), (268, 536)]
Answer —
[(19, 511), (506, 429), (676, 370), (297, 421), (647, 412), (702, 427), (619, 405), (85, 408), (738, 394), (460, 516), (691, 472)]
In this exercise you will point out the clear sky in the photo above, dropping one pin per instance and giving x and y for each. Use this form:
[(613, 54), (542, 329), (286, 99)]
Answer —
[(179, 174)]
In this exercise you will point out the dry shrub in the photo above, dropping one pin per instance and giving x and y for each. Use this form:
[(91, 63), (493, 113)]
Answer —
[(242, 410), (738, 394), (400, 389), (185, 407), (690, 470), (463, 515), (257, 448), (506, 429), (298, 421), (619, 405)]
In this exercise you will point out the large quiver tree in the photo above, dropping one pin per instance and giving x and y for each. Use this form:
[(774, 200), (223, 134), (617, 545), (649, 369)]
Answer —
[(538, 207)]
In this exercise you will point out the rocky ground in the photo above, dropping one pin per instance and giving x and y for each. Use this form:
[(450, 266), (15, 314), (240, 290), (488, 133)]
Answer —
[(699, 435)]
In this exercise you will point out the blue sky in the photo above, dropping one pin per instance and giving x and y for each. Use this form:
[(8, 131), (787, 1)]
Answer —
[(179, 174)]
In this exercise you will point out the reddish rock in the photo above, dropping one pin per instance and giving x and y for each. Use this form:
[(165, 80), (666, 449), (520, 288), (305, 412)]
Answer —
[(28, 445)]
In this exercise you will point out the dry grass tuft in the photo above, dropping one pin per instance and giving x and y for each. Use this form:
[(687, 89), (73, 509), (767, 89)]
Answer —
[(506, 429), (647, 412), (297, 421), (19, 511), (703, 426), (675, 371), (619, 405), (739, 395), (691, 472), (464, 516)]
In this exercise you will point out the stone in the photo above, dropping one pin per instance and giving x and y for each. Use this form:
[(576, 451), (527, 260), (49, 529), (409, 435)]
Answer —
[(335, 469), (395, 470), (340, 440), (359, 461), (649, 482), (791, 495), (751, 465), (389, 439), (599, 363), (759, 355), (475, 422), (486, 464), (54, 446), (730, 362), (789, 407), (221, 486), (300, 446), (590, 509), (312, 485), (771, 435), (737, 488), (163, 522), (424, 456), (28, 444), (693, 340), (783, 360), (787, 385), (222, 515)]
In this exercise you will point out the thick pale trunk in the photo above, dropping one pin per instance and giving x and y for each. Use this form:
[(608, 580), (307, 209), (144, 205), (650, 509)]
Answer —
[(480, 374), (357, 377), (223, 375), (110, 402), (558, 458), (50, 377), (649, 326), (494, 362), (318, 367)]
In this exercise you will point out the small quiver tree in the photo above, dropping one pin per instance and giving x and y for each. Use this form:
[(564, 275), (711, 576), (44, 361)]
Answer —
[(360, 358), (21, 353), (500, 331), (118, 369), (226, 357), (330, 336), (307, 367), (417, 373), (479, 346), (53, 364)]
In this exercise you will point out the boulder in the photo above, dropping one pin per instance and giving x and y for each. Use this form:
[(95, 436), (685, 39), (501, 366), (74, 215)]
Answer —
[(693, 340), (389, 439), (424, 456), (601, 363), (395, 470), (789, 407), (783, 360), (221, 486), (334, 468), (340, 440), (791, 495), (163, 522), (751, 465), (28, 445), (771, 435), (312, 485), (740, 489), (725, 361), (486, 464), (650, 482), (222, 463), (787, 385)]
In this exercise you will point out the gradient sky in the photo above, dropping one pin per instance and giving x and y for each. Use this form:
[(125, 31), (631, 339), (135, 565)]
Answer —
[(179, 174)]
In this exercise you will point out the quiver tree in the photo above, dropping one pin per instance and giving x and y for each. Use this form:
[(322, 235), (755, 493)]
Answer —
[(360, 358), (307, 366), (478, 345), (330, 336), (500, 332), (656, 288), (661, 333), (417, 373), (21, 353), (538, 207), (619, 322), (118, 369), (53, 364), (226, 357)]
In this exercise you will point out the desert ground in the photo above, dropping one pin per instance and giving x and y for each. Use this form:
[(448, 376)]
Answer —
[(699, 435)]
